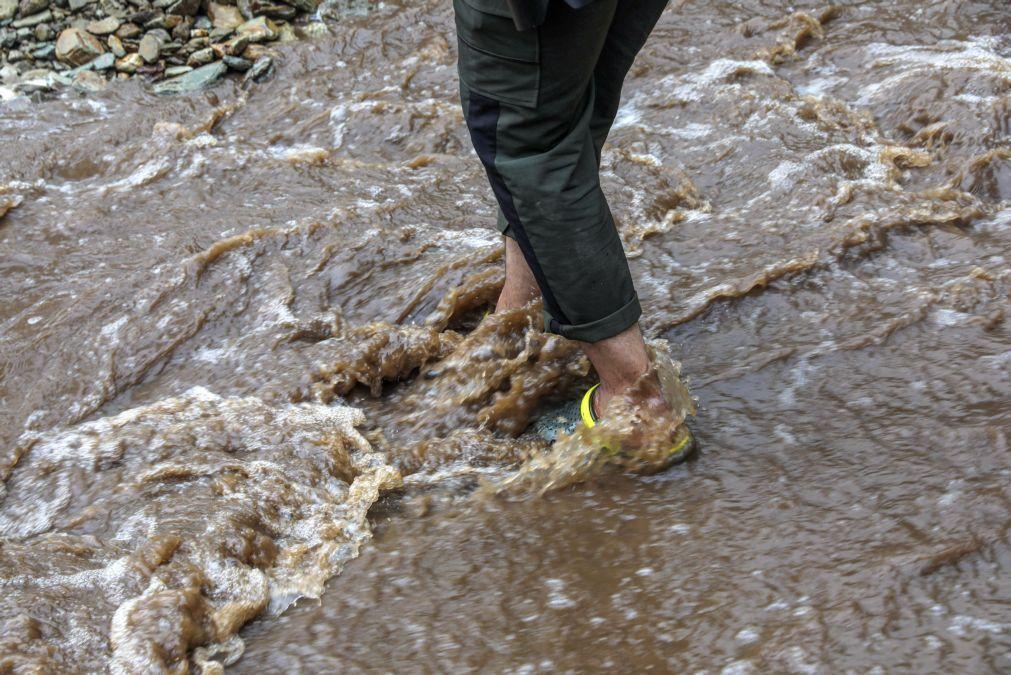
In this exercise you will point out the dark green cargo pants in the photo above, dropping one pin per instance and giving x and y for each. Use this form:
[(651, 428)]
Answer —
[(539, 105)]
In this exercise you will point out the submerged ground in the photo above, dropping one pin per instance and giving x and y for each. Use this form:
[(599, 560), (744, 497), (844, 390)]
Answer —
[(234, 323)]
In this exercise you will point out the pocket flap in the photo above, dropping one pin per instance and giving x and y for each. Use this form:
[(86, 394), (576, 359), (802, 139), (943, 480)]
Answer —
[(496, 7)]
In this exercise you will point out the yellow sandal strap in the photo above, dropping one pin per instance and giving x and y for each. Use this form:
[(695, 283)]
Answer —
[(586, 408)]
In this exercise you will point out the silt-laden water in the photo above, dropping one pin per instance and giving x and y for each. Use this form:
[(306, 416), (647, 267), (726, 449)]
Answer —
[(241, 336)]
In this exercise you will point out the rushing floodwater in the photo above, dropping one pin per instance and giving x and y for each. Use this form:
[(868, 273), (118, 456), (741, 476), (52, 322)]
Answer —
[(240, 335)]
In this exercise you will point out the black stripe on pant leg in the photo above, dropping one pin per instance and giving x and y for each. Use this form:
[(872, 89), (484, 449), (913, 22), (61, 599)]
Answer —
[(482, 120)]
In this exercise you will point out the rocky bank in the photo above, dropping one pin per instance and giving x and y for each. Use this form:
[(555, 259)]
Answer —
[(176, 45)]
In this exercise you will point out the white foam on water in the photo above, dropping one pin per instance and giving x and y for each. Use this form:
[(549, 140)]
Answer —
[(747, 635), (740, 667), (799, 662), (781, 178), (556, 597), (628, 115), (108, 578), (962, 624), (975, 54), (142, 175), (691, 131), (949, 317)]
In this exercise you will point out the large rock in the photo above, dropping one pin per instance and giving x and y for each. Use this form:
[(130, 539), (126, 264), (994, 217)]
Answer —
[(77, 47), (149, 48), (225, 16), (8, 8), (193, 80)]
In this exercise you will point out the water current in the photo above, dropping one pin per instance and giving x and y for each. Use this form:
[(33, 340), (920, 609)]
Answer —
[(251, 416)]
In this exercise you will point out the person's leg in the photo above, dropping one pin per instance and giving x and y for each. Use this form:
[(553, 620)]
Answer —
[(621, 361), (529, 102), (527, 99), (520, 284)]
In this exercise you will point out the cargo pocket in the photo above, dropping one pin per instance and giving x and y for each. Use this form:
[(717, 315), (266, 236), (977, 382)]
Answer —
[(496, 60)]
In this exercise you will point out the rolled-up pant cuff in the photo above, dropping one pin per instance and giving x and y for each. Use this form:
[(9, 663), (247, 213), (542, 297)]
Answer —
[(503, 225), (598, 330)]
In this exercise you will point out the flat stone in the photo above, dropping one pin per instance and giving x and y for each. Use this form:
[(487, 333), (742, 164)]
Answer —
[(149, 48), (201, 57), (103, 62), (238, 63), (219, 34), (260, 29), (254, 8), (36, 73), (224, 16), (9, 94), (129, 63), (44, 52), (78, 4), (260, 70), (174, 71), (233, 47), (143, 16), (35, 86), (287, 33), (316, 29), (33, 20), (8, 8), (128, 31), (88, 80), (255, 52), (116, 46), (76, 47), (9, 74), (29, 7), (203, 76), (160, 33), (105, 26)]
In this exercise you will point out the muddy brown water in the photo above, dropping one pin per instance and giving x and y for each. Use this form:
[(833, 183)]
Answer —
[(248, 415)]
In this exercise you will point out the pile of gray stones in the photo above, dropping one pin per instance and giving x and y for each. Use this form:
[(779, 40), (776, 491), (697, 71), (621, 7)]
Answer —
[(176, 45)]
